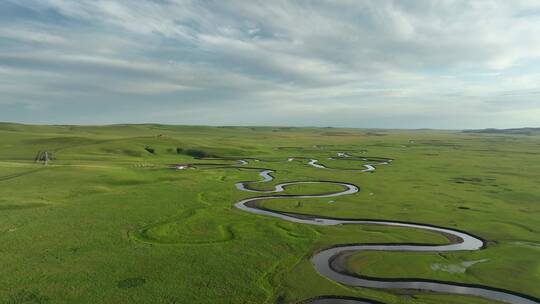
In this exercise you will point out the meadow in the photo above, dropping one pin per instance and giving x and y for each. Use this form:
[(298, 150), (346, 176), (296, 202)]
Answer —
[(108, 220)]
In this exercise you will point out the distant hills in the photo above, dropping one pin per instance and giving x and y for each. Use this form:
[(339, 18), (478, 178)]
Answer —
[(520, 131)]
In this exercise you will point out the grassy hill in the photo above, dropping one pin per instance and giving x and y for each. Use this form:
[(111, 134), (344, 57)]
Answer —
[(108, 221), (515, 131)]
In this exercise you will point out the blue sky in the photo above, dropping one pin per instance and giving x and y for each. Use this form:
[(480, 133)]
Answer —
[(351, 63)]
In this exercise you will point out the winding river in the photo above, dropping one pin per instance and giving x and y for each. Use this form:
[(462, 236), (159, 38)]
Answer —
[(330, 262)]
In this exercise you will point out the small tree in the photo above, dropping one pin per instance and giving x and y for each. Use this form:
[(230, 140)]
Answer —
[(44, 157)]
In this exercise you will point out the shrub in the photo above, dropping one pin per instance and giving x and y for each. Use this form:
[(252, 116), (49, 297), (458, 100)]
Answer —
[(131, 283), (150, 150), (196, 153)]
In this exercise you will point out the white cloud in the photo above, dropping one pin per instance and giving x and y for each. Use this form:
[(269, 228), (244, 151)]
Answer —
[(404, 58)]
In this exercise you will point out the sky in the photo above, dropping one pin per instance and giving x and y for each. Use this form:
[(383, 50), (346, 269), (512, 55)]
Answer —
[(445, 64)]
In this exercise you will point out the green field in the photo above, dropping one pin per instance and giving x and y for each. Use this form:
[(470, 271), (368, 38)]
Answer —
[(107, 221)]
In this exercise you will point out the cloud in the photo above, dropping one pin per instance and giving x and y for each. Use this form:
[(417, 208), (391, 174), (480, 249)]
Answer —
[(277, 62)]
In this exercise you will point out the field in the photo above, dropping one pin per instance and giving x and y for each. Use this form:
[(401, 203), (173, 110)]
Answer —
[(108, 221)]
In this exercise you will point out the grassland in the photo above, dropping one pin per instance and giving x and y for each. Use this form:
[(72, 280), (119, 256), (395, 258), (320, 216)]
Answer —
[(108, 222)]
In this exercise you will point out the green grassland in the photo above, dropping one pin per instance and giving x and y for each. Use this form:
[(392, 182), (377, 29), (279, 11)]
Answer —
[(107, 221)]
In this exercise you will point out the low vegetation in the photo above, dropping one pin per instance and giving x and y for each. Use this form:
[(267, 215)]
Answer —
[(108, 221)]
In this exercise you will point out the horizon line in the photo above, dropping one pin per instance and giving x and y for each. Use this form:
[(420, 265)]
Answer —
[(255, 126)]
